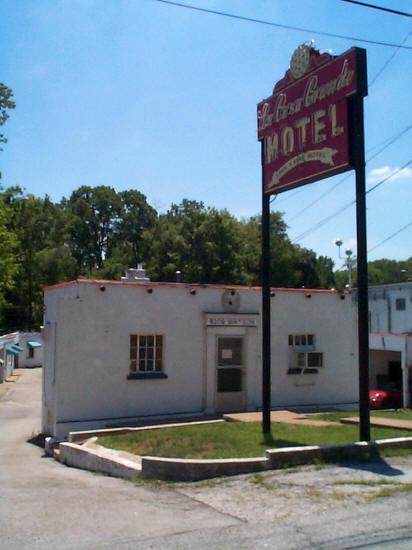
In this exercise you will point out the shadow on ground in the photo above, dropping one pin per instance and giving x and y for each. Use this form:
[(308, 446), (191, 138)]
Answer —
[(375, 465), (37, 440)]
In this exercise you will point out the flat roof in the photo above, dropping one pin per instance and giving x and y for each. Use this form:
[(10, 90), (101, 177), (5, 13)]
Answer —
[(189, 286)]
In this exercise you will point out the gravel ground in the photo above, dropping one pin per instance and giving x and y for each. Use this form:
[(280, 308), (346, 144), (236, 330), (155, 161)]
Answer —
[(291, 494)]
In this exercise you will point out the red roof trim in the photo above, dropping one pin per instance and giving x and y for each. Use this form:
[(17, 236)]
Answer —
[(187, 285)]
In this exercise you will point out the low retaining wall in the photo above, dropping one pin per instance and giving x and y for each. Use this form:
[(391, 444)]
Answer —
[(98, 460), (176, 469), (295, 456), (101, 459)]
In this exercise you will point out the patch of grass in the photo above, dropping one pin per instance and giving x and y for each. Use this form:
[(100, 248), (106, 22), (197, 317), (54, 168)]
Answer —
[(209, 483), (389, 491), (338, 495), (233, 439), (259, 479), (367, 482), (153, 483), (395, 451)]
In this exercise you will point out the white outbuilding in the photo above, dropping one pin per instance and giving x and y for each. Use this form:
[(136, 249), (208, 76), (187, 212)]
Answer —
[(122, 351)]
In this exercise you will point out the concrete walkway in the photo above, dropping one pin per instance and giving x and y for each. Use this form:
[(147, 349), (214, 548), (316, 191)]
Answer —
[(396, 423), (277, 416), (8, 384)]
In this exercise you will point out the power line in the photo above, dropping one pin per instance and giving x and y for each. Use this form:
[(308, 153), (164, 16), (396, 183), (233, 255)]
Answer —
[(388, 177), (373, 6), (387, 144), (372, 157), (388, 60), (323, 222), (391, 236), (279, 25)]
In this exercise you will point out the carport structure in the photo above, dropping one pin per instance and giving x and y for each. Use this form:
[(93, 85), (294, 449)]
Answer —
[(390, 357)]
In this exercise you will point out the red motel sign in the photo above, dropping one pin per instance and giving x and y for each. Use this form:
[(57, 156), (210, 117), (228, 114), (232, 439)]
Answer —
[(304, 125)]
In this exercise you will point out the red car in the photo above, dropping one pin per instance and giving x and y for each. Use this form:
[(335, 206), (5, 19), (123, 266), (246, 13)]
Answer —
[(388, 398)]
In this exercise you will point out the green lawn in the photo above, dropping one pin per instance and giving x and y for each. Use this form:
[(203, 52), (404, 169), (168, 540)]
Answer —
[(234, 439)]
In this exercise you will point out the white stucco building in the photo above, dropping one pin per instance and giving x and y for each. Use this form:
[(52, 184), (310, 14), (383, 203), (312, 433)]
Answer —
[(390, 359), (390, 308), (118, 351), (19, 349), (390, 338)]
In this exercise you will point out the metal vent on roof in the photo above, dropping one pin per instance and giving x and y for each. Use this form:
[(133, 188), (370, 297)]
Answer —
[(133, 274)]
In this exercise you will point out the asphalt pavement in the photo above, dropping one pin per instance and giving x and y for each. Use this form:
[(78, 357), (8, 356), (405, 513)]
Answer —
[(46, 504)]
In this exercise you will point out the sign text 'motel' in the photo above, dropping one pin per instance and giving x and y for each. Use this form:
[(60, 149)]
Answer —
[(304, 124)]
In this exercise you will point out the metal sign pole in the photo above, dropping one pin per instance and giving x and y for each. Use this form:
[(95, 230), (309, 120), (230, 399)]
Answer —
[(358, 155), (266, 382)]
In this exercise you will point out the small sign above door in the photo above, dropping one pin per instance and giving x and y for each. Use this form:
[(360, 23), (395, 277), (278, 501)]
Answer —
[(230, 322)]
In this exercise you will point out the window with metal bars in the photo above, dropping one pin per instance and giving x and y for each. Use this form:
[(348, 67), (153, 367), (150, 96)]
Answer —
[(146, 353)]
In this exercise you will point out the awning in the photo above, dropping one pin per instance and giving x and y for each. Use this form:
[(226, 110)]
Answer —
[(33, 344), (17, 348), (13, 350)]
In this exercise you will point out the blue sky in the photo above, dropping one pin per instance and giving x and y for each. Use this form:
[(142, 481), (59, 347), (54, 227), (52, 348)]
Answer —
[(140, 94)]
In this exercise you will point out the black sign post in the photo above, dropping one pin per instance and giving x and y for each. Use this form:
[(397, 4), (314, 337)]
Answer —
[(266, 360), (312, 128), (357, 154)]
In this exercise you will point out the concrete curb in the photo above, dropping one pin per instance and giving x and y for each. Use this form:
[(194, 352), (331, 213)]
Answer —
[(295, 456), (184, 469), (98, 459), (90, 456)]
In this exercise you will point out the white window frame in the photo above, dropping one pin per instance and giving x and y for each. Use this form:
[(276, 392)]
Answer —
[(146, 353)]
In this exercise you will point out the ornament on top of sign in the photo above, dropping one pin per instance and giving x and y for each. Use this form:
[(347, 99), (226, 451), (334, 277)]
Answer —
[(306, 58)]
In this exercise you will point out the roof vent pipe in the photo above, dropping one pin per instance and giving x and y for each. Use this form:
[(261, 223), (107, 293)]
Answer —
[(133, 274)]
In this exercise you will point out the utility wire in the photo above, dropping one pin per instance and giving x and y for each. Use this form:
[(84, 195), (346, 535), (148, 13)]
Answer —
[(387, 144), (279, 25), (400, 134), (388, 177), (373, 6), (391, 236), (377, 75), (323, 222)]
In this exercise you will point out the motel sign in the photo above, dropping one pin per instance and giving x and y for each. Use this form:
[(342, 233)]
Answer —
[(309, 129), (304, 125)]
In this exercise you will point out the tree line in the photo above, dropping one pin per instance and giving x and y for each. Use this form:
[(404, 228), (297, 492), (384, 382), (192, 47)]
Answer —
[(98, 233)]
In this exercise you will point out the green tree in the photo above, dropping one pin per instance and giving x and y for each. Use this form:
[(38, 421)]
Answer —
[(6, 103), (93, 218), (381, 271), (204, 243), (136, 217), (8, 265), (42, 255)]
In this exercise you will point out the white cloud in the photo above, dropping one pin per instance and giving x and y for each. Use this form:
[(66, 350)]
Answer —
[(378, 174)]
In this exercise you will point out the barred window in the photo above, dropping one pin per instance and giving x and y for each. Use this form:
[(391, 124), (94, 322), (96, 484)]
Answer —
[(146, 353), (301, 339)]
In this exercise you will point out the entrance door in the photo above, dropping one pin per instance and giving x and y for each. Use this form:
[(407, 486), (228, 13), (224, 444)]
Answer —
[(230, 395)]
